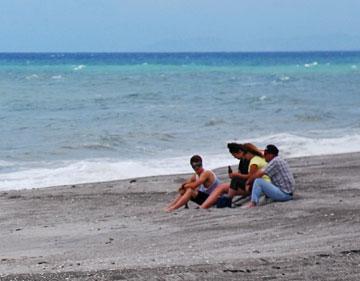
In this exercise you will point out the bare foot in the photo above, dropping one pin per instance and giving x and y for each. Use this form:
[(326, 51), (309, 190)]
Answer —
[(169, 209), (249, 205)]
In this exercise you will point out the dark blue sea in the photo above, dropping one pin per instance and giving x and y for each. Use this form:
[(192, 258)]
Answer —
[(83, 117)]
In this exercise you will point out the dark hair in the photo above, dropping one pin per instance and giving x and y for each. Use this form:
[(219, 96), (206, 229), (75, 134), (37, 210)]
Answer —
[(235, 147), (272, 149), (253, 149), (195, 159)]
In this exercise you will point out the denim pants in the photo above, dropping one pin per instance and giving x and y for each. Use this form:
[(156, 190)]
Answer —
[(261, 187)]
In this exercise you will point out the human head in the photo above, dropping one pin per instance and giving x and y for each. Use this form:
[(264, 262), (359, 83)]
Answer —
[(270, 152), (236, 149), (196, 162), (252, 150)]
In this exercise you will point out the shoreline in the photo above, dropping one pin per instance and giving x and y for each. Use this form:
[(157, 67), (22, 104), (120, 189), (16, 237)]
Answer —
[(117, 230), (218, 169)]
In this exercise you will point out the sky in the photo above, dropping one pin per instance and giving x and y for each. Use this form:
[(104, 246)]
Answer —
[(178, 25)]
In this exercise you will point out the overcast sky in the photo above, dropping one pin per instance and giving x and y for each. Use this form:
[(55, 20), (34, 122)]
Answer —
[(178, 25)]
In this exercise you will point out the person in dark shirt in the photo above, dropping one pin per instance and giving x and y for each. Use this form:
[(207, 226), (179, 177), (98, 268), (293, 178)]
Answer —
[(238, 179)]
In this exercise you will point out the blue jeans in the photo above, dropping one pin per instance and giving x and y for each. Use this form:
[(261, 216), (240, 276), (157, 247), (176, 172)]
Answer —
[(264, 187)]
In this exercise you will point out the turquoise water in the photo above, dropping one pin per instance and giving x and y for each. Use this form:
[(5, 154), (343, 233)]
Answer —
[(69, 118)]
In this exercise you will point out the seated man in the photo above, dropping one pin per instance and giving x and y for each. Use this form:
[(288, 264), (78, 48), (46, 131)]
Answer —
[(282, 183), (197, 188)]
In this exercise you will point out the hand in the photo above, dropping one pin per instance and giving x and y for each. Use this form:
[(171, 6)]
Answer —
[(182, 189)]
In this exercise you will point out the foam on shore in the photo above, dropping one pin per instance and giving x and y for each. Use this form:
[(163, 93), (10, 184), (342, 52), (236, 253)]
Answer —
[(44, 174)]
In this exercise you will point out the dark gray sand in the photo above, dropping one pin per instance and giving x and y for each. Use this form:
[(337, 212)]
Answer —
[(118, 231)]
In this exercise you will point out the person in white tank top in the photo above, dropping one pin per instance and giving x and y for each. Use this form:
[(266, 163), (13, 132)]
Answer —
[(197, 188)]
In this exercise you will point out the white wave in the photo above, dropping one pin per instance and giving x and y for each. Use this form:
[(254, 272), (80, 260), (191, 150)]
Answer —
[(44, 174), (263, 98), (32, 76), (280, 80), (297, 146), (56, 77), (354, 66), (307, 65), (5, 163), (98, 170), (79, 67), (284, 78)]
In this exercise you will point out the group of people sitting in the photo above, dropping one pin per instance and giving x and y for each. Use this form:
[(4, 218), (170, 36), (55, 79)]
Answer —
[(259, 173)]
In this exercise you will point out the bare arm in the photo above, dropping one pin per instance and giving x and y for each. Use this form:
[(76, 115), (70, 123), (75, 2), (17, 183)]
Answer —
[(183, 187), (201, 180), (254, 174)]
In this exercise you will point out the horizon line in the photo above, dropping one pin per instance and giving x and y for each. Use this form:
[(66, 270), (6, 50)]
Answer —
[(176, 52)]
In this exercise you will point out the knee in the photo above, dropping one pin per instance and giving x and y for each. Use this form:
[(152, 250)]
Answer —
[(257, 184), (224, 188), (220, 190), (189, 192)]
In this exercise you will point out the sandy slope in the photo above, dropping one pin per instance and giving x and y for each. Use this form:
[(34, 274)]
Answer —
[(118, 231)]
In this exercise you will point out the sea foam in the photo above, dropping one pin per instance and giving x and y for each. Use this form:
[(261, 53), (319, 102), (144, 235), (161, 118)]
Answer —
[(56, 77), (84, 171), (292, 145), (79, 67), (32, 76), (307, 65), (105, 169)]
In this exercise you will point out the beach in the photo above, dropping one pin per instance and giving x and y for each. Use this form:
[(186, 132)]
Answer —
[(118, 230)]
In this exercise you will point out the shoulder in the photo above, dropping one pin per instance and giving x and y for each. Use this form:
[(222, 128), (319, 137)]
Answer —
[(211, 172), (256, 160), (207, 173), (274, 162)]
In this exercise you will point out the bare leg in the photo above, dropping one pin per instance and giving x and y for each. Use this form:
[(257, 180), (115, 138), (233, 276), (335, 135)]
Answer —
[(233, 192), (189, 193), (214, 196), (172, 203)]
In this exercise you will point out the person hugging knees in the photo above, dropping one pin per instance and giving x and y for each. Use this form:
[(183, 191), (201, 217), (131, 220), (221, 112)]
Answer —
[(197, 188), (282, 185)]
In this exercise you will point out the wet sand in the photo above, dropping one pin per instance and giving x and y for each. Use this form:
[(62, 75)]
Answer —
[(118, 231)]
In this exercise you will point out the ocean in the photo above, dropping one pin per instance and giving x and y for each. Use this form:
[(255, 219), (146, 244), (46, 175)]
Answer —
[(70, 118)]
